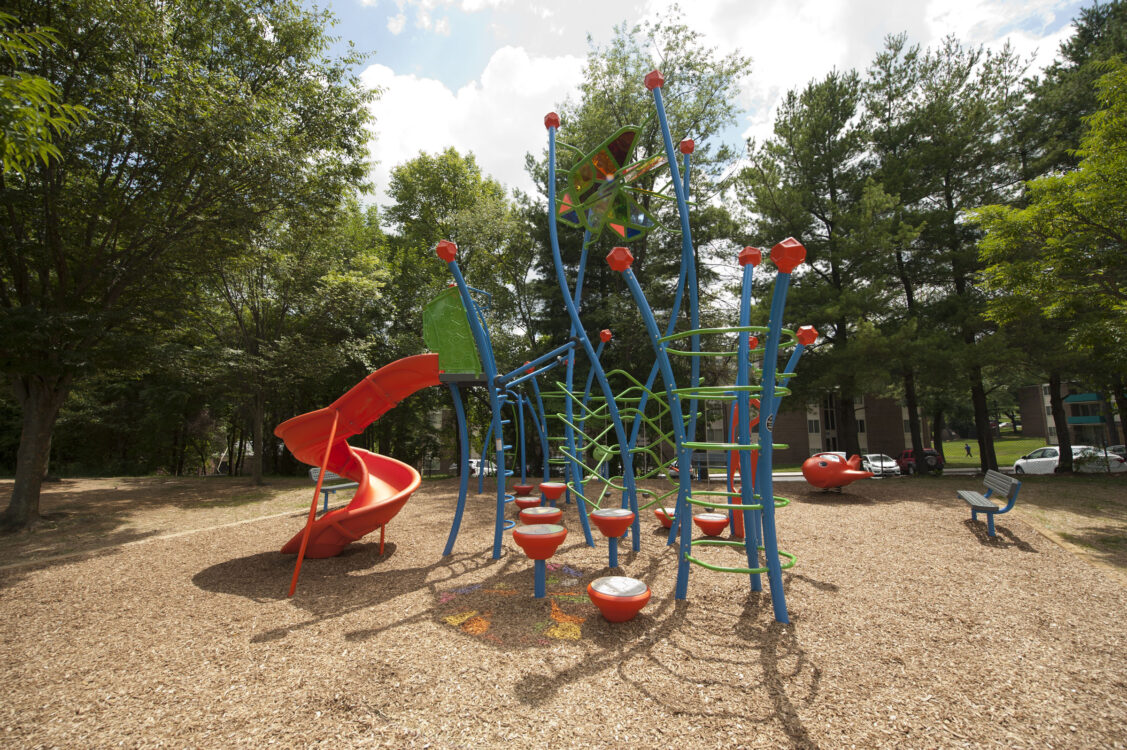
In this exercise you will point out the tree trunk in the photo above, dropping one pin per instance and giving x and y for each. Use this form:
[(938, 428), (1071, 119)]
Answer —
[(1060, 421), (987, 459), (937, 423), (911, 400), (1119, 393), (39, 399), (847, 425), (259, 443)]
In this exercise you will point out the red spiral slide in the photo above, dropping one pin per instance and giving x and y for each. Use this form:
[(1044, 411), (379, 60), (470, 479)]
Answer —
[(319, 438)]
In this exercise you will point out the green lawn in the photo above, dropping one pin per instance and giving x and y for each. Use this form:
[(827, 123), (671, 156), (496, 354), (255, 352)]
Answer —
[(1007, 448)]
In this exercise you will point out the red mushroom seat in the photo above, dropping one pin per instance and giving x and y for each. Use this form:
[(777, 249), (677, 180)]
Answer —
[(712, 524), (665, 515), (612, 522), (619, 598), (541, 540), (541, 514), (552, 490)]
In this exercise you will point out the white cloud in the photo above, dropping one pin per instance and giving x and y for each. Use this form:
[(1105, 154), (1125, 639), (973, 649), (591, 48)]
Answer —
[(498, 117), (395, 24)]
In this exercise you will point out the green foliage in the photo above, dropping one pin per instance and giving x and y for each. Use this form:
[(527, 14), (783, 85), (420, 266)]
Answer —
[(1062, 259), (31, 114)]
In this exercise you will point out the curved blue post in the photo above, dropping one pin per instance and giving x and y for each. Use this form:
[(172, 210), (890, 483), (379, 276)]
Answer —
[(484, 454), (485, 349), (684, 477), (766, 424), (542, 428), (743, 404), (573, 314), (464, 465), (520, 437)]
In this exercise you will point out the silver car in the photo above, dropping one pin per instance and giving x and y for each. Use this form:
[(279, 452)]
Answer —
[(880, 464), (1085, 458)]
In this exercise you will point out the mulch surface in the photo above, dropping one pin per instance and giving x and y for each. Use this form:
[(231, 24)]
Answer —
[(909, 628)]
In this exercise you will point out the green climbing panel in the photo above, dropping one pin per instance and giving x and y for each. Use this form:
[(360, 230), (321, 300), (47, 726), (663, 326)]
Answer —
[(447, 331)]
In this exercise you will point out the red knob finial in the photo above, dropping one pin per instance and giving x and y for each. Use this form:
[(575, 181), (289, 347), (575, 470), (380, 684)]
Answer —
[(654, 79), (620, 258), (752, 255), (806, 335), (552, 120), (788, 254), (605, 335), (446, 250), (687, 146)]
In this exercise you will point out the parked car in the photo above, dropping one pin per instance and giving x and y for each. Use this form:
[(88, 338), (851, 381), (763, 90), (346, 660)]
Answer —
[(880, 464), (490, 467), (1085, 458), (931, 461), (1119, 450)]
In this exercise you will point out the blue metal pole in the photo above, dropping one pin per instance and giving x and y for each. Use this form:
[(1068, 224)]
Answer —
[(464, 464), (484, 347), (520, 437), (573, 313), (541, 582), (523, 369), (542, 427), (764, 481), (684, 478), (688, 261), (743, 404)]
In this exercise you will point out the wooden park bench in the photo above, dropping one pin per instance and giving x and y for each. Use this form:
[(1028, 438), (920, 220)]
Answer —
[(330, 477), (997, 485)]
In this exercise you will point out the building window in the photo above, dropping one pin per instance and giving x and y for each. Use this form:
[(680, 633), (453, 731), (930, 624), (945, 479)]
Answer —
[(829, 417), (812, 426), (1052, 431), (907, 426), (1049, 410), (860, 425), (1045, 390)]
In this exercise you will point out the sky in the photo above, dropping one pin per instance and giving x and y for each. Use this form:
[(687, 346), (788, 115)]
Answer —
[(480, 75)]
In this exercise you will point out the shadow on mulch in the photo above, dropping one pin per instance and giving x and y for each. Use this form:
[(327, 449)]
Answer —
[(779, 644), (1104, 543), (71, 538), (831, 497), (1006, 538)]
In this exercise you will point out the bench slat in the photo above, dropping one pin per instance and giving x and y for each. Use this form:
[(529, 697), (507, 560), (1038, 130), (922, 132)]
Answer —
[(330, 476), (1000, 483), (977, 500)]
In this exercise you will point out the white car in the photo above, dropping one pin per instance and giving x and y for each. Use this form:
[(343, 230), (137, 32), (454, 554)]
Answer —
[(880, 464), (490, 467), (1085, 459)]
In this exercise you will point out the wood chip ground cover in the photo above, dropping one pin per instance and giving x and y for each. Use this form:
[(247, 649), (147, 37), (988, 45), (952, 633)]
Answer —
[(909, 628)]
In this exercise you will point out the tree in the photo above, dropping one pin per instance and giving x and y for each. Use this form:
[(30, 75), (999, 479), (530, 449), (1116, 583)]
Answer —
[(1066, 95), (959, 159), (810, 180), (1065, 253), (299, 305), (31, 114), (206, 119)]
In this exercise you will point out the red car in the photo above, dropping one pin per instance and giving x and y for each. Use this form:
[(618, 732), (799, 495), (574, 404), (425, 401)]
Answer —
[(932, 461)]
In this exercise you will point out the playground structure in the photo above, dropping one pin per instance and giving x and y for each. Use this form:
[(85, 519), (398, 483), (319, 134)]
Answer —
[(601, 426)]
